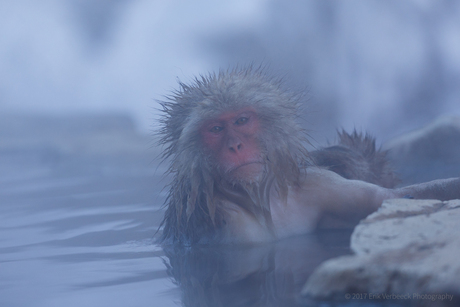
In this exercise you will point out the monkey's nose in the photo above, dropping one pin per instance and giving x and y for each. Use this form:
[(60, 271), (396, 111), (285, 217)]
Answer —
[(235, 144)]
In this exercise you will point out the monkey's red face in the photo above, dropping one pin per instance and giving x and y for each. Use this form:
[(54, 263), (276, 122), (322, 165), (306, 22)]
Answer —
[(231, 139)]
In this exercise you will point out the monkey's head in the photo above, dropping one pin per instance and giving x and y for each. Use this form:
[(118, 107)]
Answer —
[(231, 141), (234, 128)]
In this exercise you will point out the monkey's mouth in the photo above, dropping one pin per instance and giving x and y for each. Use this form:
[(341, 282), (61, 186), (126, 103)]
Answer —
[(247, 170), (244, 165)]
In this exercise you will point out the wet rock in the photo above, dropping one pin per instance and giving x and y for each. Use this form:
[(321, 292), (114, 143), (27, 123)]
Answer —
[(432, 152), (408, 252)]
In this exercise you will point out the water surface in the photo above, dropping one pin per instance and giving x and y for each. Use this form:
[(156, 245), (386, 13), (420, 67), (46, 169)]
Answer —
[(77, 228)]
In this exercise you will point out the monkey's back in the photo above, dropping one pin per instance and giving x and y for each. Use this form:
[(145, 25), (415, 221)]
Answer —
[(356, 157)]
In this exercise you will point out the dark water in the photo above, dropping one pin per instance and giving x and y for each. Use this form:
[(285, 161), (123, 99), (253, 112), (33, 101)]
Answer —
[(78, 230)]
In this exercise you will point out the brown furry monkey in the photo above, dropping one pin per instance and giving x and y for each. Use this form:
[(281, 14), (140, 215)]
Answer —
[(241, 172)]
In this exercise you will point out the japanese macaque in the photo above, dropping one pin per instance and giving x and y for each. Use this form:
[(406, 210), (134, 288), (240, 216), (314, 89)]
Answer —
[(241, 172)]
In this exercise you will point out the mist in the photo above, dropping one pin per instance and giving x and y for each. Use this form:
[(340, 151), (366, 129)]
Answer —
[(386, 67), (82, 188)]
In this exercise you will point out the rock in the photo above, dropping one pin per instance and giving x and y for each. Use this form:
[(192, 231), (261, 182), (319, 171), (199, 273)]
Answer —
[(100, 144), (432, 152), (408, 252), (72, 134)]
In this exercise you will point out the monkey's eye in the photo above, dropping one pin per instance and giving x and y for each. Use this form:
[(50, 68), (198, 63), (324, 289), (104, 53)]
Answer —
[(216, 129), (241, 121)]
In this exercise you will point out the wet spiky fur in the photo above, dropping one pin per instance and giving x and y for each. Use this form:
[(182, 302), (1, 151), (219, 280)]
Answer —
[(356, 157), (193, 212)]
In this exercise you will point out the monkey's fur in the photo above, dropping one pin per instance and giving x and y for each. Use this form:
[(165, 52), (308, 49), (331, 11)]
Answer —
[(356, 157), (193, 213)]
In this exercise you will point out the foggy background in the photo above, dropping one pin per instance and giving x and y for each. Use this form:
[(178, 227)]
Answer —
[(81, 193), (383, 66)]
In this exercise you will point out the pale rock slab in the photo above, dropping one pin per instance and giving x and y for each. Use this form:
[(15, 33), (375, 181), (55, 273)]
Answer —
[(407, 247)]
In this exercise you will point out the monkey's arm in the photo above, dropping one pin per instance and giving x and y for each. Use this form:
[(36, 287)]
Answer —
[(352, 200), (342, 199), (442, 189)]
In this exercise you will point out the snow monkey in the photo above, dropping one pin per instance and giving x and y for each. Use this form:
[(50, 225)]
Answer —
[(241, 172)]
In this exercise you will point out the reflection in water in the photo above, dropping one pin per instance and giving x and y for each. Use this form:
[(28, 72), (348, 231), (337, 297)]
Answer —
[(258, 275)]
